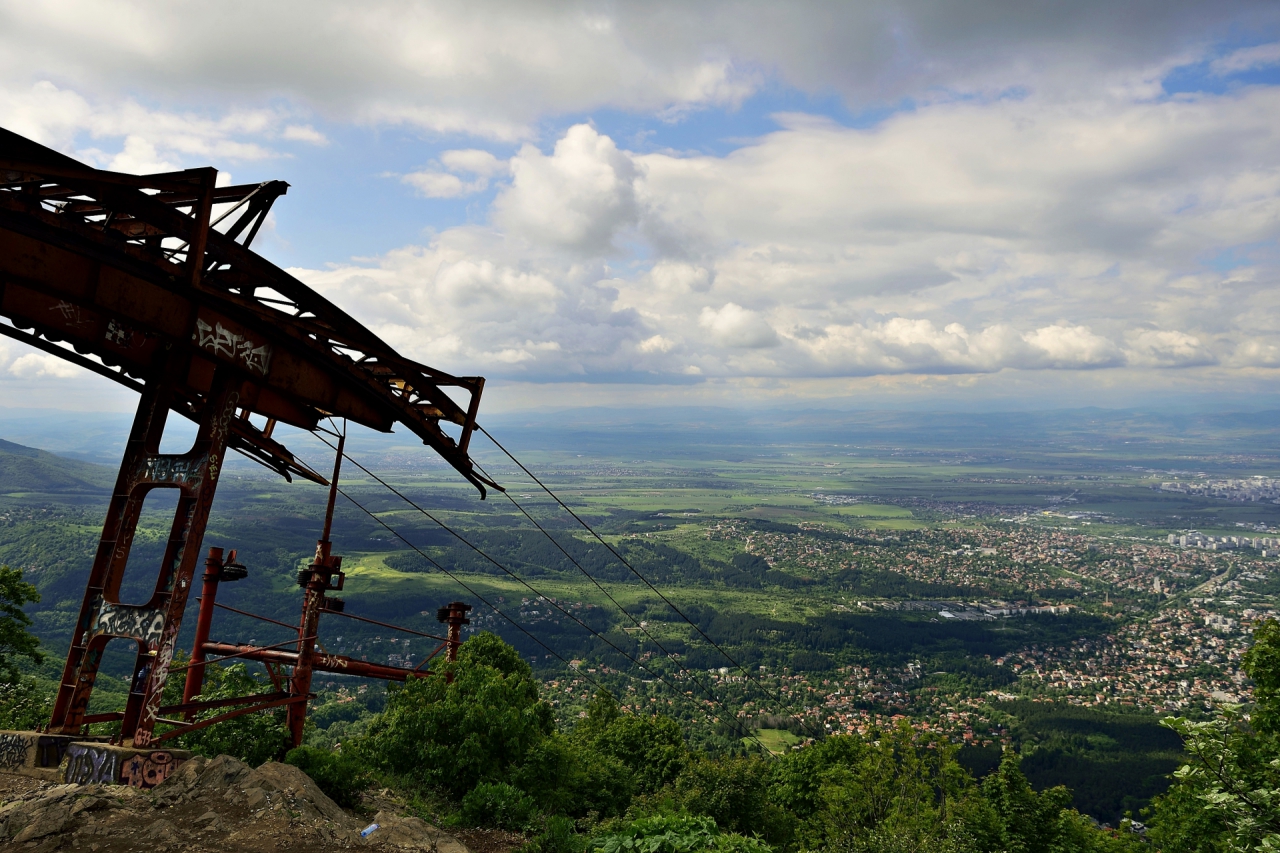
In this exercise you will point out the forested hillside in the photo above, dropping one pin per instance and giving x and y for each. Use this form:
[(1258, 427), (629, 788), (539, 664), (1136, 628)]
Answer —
[(25, 469)]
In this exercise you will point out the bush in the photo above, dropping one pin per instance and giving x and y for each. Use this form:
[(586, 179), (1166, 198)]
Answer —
[(24, 706), (497, 805), (676, 834), (735, 793), (569, 778), (651, 747), (253, 738), (557, 836), (452, 736), (339, 776)]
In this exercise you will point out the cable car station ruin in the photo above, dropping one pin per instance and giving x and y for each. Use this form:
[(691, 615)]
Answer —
[(131, 273)]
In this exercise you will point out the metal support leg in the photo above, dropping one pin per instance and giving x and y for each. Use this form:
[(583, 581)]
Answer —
[(153, 626), (204, 621)]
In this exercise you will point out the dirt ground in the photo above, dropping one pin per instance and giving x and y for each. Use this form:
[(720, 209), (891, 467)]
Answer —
[(215, 806)]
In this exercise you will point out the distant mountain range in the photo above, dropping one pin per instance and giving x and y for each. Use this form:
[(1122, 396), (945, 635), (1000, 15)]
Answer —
[(26, 469), (712, 432)]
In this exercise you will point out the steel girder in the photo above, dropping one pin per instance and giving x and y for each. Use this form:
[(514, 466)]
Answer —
[(130, 272)]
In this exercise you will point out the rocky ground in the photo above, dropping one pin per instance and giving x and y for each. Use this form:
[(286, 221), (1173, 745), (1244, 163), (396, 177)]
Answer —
[(214, 806)]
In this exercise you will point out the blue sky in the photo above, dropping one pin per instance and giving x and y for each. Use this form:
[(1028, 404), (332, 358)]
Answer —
[(724, 203)]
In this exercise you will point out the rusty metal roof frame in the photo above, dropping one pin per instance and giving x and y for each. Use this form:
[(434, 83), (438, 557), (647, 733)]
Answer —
[(130, 270)]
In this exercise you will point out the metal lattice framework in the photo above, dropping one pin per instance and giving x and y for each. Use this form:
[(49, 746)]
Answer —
[(127, 268), (149, 281)]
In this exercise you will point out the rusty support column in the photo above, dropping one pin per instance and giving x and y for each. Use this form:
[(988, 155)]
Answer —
[(453, 614), (316, 579), (208, 596), (153, 626)]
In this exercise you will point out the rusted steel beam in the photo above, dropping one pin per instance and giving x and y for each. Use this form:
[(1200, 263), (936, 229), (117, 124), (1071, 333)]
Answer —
[(153, 626), (120, 265), (338, 664), (230, 715), (129, 277), (204, 705)]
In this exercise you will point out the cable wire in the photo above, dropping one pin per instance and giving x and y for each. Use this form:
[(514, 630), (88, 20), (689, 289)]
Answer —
[(595, 582), (675, 690), (773, 694), (462, 583)]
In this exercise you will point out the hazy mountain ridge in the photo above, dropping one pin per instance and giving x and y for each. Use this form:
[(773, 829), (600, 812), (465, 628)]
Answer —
[(27, 469)]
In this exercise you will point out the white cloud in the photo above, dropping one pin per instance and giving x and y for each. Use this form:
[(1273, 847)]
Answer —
[(1247, 59), (304, 133), (657, 343), (497, 68), (473, 161), (576, 199), (1042, 206), (40, 366), (902, 345), (442, 184), (148, 139), (734, 326), (1166, 348), (434, 183), (1024, 235)]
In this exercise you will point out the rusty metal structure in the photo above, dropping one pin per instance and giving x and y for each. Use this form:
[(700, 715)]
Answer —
[(151, 283)]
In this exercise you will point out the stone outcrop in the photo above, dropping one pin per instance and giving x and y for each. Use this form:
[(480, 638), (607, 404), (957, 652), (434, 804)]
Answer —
[(218, 805)]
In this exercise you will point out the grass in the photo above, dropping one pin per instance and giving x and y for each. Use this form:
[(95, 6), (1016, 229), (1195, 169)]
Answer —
[(776, 741)]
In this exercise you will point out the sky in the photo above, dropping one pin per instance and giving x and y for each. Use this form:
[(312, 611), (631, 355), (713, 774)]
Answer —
[(835, 204)]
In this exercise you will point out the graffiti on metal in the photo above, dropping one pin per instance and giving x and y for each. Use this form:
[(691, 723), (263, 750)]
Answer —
[(88, 764), (13, 751), (146, 770), (179, 470), (123, 336), (226, 343), (128, 620), (73, 314)]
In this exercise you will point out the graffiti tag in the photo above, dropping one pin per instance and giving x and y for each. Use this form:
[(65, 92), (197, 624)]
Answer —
[(13, 751), (149, 770), (87, 765), (226, 343), (179, 470), (72, 314), (49, 750), (129, 620)]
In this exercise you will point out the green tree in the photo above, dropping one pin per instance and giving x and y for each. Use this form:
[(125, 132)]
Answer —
[(1030, 822), (452, 735), (652, 749), (891, 790), (253, 738), (15, 639), (735, 793), (567, 777), (1227, 797)]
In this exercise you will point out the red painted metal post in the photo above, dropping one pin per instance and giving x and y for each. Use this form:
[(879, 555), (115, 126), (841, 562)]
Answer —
[(316, 580), (208, 594), (453, 614)]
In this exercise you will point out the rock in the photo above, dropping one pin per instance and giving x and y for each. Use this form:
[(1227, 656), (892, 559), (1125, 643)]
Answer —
[(412, 833), (297, 787), (84, 804), (254, 797), (164, 832), (186, 777), (44, 821)]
